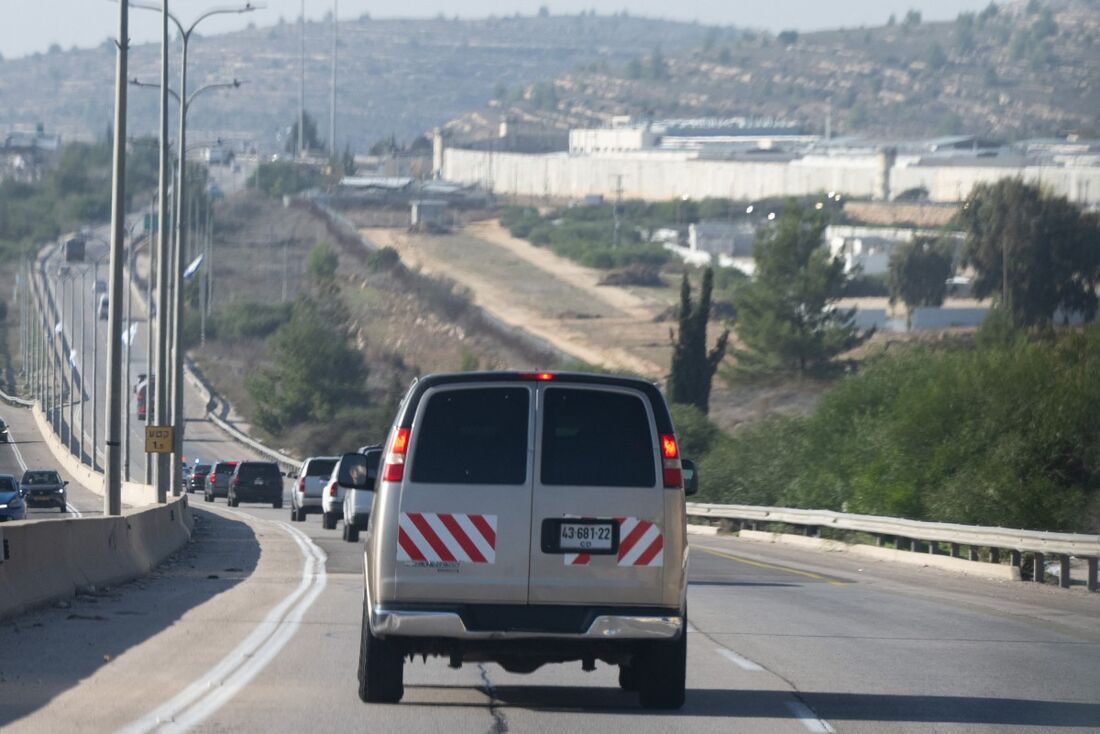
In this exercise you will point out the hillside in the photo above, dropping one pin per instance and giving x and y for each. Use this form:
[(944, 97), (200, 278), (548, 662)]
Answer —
[(398, 77), (1011, 71)]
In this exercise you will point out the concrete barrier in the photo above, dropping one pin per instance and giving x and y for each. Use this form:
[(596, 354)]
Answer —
[(994, 571), (47, 560)]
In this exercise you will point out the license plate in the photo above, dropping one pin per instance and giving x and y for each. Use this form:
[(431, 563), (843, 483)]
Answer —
[(586, 536)]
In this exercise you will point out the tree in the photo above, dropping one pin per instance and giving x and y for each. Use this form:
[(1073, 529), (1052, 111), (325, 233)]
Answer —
[(693, 367), (634, 69), (310, 138), (321, 263), (315, 370), (937, 58), (1041, 248), (787, 38), (918, 274), (787, 316), (912, 19), (656, 65)]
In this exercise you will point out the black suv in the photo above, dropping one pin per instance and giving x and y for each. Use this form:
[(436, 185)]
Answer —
[(256, 481), (197, 482)]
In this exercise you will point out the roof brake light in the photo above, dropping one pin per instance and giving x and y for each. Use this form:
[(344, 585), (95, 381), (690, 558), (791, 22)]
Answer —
[(541, 376)]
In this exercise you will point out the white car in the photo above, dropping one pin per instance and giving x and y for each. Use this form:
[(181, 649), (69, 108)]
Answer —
[(332, 500), (305, 498), (358, 502)]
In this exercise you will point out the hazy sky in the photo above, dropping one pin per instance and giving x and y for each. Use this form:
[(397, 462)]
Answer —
[(33, 25)]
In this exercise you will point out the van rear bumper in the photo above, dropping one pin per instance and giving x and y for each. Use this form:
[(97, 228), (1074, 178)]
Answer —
[(495, 622)]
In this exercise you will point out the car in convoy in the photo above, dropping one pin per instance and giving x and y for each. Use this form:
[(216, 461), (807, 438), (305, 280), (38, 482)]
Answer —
[(44, 487), (3, 431), (104, 307), (332, 497), (217, 481), (198, 477), (526, 519), (12, 506), (314, 475), (358, 502), (256, 481)]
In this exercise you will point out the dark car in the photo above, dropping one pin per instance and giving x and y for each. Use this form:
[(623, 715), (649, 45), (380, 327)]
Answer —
[(197, 482), (44, 487), (256, 481), (217, 481), (3, 431), (12, 506)]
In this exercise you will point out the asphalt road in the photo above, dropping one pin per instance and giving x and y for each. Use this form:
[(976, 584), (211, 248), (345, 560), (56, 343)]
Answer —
[(254, 627)]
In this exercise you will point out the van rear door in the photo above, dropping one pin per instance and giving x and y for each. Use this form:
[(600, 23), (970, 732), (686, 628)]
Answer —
[(598, 507), (465, 505)]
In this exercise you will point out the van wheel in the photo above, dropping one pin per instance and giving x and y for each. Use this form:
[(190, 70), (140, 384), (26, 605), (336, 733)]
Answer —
[(662, 672), (328, 522), (232, 501), (351, 532), (381, 667), (278, 504), (294, 515), (207, 498), (628, 678)]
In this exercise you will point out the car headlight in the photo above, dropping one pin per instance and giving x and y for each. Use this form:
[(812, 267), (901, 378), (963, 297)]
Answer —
[(3, 506)]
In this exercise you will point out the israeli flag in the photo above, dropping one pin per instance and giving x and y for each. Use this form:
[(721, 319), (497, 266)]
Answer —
[(193, 268)]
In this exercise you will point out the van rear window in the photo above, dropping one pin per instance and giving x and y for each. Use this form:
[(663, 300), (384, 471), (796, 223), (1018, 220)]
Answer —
[(473, 436), (596, 438), (320, 468)]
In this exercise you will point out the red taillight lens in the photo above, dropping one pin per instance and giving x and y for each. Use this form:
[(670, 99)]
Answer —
[(213, 478), (543, 376), (332, 489), (670, 460), (302, 485), (394, 468)]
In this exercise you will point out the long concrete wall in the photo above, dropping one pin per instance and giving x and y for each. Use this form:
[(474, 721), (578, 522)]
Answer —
[(44, 560), (660, 176)]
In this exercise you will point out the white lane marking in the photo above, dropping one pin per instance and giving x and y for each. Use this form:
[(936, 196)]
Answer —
[(217, 686), (741, 662), (808, 718), (23, 465)]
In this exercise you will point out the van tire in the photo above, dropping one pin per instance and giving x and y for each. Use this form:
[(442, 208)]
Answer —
[(381, 667), (328, 521), (662, 673), (294, 515), (351, 532), (628, 678)]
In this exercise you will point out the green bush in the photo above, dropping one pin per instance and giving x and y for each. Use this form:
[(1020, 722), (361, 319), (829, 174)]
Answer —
[(250, 320), (1007, 434)]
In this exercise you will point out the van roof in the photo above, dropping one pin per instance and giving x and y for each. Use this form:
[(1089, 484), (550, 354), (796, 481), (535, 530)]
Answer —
[(649, 389)]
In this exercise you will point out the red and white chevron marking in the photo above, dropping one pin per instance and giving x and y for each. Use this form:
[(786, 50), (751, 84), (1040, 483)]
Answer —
[(640, 544), (438, 536)]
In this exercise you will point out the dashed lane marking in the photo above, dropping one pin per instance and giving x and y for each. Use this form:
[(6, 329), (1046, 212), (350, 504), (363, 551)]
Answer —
[(771, 566), (741, 662), (808, 718)]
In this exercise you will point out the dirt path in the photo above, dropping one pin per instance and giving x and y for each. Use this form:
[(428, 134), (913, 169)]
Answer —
[(551, 298)]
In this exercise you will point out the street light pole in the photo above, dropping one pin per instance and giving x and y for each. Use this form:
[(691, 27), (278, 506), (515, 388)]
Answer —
[(332, 100), (83, 362), (95, 379)]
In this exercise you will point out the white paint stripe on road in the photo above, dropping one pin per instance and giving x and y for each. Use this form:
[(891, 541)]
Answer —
[(212, 690), (741, 662), (23, 465), (808, 718)]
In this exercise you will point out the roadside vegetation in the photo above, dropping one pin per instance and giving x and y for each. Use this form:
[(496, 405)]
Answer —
[(1006, 433)]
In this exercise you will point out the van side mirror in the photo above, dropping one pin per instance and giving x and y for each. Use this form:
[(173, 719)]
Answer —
[(352, 472), (691, 477)]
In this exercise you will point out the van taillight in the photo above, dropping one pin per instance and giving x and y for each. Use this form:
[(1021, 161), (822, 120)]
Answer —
[(542, 376), (302, 485), (332, 490), (213, 478), (670, 460), (394, 468)]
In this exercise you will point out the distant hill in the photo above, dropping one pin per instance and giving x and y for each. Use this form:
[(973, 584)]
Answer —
[(1023, 69), (399, 77)]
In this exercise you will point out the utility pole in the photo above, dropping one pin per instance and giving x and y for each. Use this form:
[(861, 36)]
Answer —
[(332, 101), (618, 206), (177, 286), (160, 388), (112, 499), (302, 86)]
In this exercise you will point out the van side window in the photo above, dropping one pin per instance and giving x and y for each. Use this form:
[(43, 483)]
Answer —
[(596, 438), (475, 436)]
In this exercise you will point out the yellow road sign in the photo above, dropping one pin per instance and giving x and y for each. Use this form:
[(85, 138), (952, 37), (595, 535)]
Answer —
[(158, 439)]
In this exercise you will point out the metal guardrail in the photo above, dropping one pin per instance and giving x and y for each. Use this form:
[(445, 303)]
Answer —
[(914, 532)]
